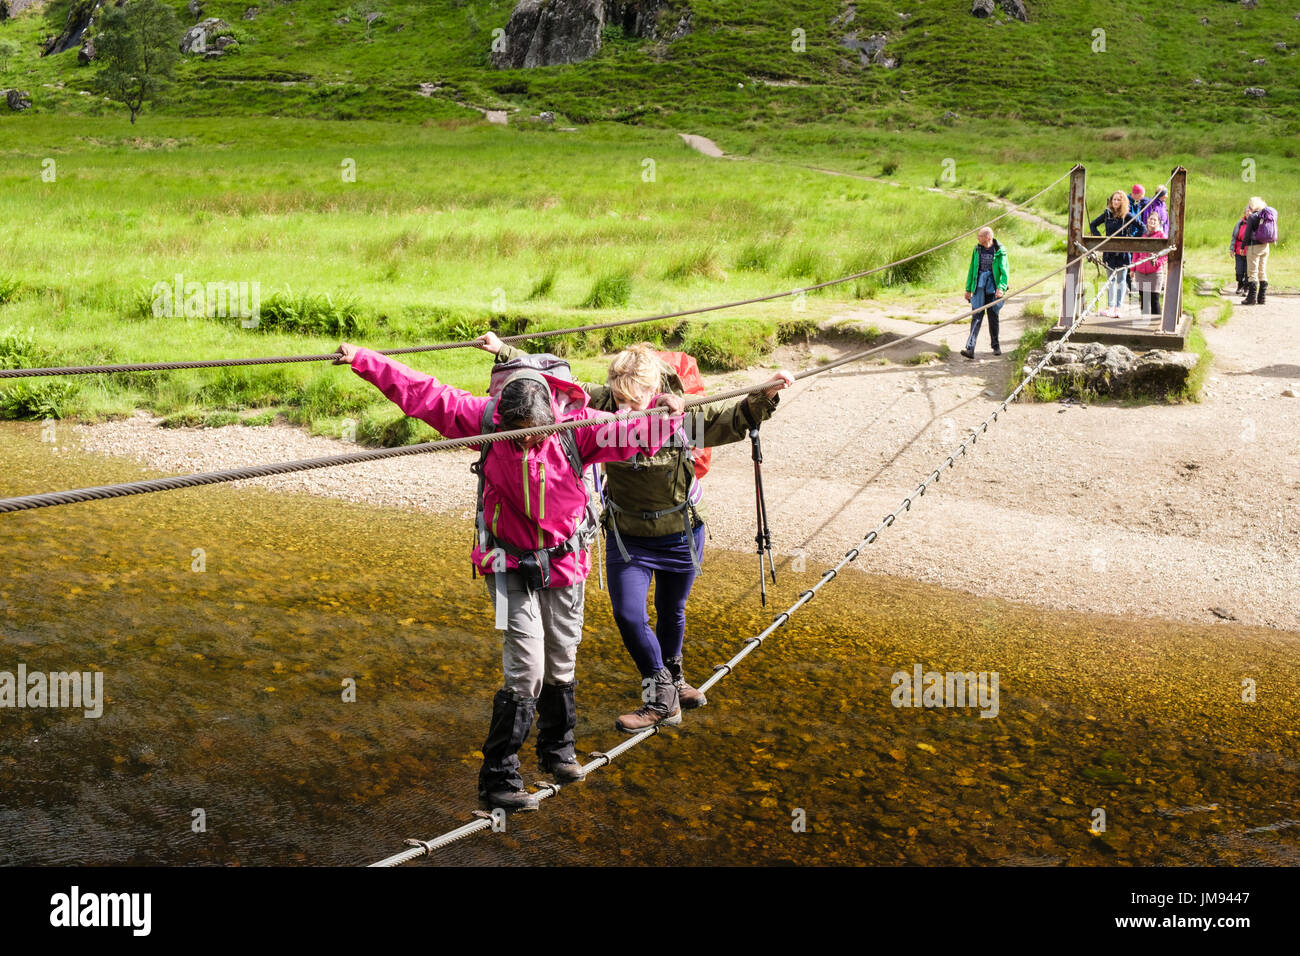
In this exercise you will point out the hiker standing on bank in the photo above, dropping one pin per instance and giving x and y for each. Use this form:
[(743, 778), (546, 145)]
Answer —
[(1261, 233), (986, 282), (651, 501), (1239, 248), (538, 594)]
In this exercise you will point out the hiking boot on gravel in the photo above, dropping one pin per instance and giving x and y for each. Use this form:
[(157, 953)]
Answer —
[(661, 705), (1252, 293), (687, 696), (1263, 288), (968, 353)]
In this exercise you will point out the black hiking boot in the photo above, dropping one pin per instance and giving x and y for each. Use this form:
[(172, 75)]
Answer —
[(970, 354), (661, 705), (687, 696), (557, 715), (1263, 288), (1252, 294), (499, 783)]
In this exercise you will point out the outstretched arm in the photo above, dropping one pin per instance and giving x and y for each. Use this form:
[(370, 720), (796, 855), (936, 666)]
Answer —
[(454, 412)]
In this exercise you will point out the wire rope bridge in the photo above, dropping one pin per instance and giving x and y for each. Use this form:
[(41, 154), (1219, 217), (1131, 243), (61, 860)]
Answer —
[(484, 821)]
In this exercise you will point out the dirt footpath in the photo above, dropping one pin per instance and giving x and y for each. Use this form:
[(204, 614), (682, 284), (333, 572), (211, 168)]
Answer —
[(1164, 511)]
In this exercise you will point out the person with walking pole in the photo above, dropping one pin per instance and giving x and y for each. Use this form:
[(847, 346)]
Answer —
[(654, 516)]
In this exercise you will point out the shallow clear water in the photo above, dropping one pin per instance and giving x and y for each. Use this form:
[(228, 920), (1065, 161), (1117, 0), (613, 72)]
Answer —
[(225, 693)]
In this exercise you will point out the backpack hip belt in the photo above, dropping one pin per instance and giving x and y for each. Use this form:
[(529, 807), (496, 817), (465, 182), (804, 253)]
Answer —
[(688, 513)]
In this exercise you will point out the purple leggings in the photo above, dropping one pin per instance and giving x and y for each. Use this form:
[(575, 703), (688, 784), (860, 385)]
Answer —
[(668, 561)]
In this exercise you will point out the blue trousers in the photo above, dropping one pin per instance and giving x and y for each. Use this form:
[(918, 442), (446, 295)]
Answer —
[(668, 561), (980, 297)]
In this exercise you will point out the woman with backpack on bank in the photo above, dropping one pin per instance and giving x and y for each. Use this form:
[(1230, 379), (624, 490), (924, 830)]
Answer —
[(651, 502), (1261, 233), (531, 545)]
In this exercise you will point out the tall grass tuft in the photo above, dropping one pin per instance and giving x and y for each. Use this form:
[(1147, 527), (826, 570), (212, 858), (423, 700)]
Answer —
[(543, 286), (10, 288), (310, 314), (610, 291), (702, 263)]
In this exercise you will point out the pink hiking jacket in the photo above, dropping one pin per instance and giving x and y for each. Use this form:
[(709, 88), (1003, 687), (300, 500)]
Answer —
[(1147, 264), (531, 498)]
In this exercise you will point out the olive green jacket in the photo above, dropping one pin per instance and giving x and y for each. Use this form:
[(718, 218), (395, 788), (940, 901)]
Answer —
[(661, 482)]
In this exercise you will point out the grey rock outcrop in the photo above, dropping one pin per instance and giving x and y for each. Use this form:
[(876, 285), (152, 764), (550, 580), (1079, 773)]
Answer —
[(1012, 8), (80, 18), (17, 100), (553, 32), (207, 35), (87, 52), (871, 51), (1115, 370)]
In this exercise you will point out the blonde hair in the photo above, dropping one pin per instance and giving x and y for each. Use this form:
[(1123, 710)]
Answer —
[(633, 371), (1123, 202), (1256, 204)]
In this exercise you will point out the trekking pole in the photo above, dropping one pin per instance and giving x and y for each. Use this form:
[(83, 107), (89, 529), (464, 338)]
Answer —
[(763, 534)]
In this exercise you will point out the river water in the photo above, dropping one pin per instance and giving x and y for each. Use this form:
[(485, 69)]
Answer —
[(225, 694)]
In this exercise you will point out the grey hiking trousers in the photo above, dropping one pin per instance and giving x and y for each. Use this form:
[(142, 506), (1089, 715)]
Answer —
[(543, 630)]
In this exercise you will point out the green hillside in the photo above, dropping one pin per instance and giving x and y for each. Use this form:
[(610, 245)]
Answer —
[(296, 58)]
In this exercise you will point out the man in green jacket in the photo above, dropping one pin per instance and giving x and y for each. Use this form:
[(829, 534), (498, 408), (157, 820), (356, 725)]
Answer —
[(654, 516), (986, 282)]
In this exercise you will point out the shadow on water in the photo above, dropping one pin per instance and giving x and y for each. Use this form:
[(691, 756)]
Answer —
[(224, 693)]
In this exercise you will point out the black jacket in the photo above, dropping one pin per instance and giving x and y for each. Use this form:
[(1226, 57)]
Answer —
[(1115, 225)]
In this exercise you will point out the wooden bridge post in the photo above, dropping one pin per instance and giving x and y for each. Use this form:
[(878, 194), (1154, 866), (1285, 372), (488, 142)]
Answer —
[(1072, 288), (1174, 283)]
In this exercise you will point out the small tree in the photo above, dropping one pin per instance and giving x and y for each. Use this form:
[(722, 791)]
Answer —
[(138, 46), (8, 50)]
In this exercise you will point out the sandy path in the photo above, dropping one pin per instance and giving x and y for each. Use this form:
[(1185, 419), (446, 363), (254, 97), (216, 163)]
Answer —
[(702, 144), (1162, 511)]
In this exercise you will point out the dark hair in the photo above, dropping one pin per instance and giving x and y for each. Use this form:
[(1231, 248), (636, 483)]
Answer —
[(525, 403)]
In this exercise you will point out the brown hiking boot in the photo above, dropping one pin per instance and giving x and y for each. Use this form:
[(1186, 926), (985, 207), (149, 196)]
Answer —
[(661, 706), (688, 696)]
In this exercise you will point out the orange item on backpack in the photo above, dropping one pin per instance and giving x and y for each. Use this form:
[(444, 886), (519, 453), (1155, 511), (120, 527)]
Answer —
[(688, 370)]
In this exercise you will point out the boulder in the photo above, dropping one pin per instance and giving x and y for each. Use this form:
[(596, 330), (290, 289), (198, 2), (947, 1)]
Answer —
[(195, 7), (80, 16), (205, 36), (1255, 91), (1115, 370), (551, 32), (871, 51), (251, 13), (17, 100), (87, 51), (1014, 8)]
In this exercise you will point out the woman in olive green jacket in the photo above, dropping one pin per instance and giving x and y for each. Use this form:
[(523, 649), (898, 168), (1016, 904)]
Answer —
[(654, 516)]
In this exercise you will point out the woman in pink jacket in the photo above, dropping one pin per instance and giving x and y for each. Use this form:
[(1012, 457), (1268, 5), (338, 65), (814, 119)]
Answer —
[(529, 550)]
